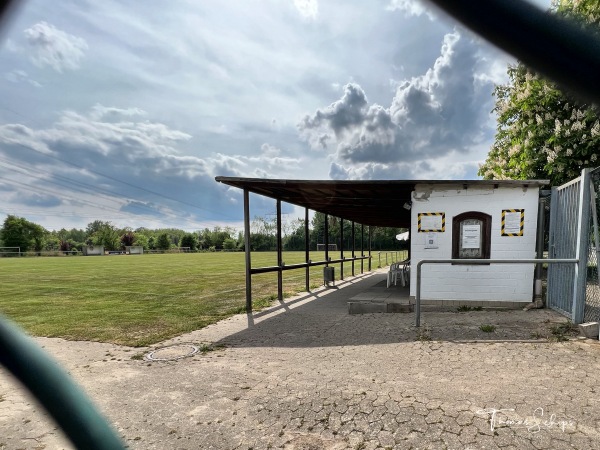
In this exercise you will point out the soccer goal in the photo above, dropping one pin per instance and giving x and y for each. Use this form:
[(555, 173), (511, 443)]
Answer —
[(330, 247), (10, 251)]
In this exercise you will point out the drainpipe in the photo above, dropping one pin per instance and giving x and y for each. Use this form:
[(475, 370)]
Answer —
[(538, 301)]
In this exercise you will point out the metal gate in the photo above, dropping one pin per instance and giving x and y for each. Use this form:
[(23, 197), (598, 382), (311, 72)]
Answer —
[(572, 214), (592, 288)]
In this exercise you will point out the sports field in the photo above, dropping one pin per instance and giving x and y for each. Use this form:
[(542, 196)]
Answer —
[(138, 300)]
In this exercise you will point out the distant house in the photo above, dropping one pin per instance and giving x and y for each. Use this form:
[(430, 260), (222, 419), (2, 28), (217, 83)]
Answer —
[(134, 249), (93, 250)]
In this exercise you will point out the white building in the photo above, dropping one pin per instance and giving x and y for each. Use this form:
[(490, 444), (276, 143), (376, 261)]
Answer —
[(474, 220)]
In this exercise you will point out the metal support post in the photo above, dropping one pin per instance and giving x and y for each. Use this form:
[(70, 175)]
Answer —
[(370, 239), (306, 249), (342, 248), (247, 250), (353, 248), (279, 254), (581, 254), (362, 247), (326, 239), (540, 250)]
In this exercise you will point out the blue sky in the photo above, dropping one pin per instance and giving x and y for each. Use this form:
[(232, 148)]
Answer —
[(126, 111)]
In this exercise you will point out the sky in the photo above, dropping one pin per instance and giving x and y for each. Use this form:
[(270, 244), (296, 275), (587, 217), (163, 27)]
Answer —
[(126, 111)]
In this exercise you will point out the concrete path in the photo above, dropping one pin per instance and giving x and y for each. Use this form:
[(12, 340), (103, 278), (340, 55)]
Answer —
[(307, 375)]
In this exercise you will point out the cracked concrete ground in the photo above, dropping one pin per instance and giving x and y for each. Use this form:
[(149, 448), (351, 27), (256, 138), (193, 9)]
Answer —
[(305, 374)]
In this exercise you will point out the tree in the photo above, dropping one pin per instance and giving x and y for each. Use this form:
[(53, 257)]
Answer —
[(215, 237), (229, 244), (105, 234), (295, 239), (38, 234), (64, 246), (52, 243), (76, 239), (77, 235), (189, 240), (163, 242), (128, 239), (19, 232), (142, 241), (543, 132), (95, 226), (263, 234), (317, 235)]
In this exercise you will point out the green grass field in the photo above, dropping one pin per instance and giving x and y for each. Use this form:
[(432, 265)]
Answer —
[(140, 300)]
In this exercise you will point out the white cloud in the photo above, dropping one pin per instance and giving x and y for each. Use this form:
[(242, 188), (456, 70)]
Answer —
[(307, 8), (100, 112), (269, 163), (410, 7), (444, 111), (55, 48), (20, 76), (269, 150), (217, 88), (11, 46), (120, 143), (82, 146)]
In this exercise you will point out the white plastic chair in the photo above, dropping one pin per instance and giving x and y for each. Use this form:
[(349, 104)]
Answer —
[(392, 276), (405, 272)]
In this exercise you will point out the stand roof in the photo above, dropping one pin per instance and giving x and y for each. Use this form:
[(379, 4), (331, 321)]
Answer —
[(372, 202)]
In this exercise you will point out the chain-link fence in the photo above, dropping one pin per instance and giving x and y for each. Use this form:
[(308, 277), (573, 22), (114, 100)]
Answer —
[(592, 291)]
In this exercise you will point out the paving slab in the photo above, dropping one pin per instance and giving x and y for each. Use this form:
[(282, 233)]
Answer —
[(305, 374)]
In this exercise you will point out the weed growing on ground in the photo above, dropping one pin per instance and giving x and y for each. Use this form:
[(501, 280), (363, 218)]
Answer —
[(487, 328), (566, 327), (536, 335), (424, 334), (258, 304), (205, 348), (466, 308), (562, 331)]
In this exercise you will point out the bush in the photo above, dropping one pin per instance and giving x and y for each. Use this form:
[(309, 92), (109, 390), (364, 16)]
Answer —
[(163, 242), (189, 240), (229, 244)]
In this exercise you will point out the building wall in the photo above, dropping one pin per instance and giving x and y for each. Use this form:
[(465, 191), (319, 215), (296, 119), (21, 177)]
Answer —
[(499, 283)]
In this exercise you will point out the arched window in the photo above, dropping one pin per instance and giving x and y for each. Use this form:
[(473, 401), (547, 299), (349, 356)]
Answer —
[(471, 235)]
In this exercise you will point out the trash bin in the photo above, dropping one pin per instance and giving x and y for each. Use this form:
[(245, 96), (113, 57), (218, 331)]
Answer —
[(328, 275)]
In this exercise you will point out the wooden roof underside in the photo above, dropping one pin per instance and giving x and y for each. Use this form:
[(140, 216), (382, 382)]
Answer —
[(374, 202)]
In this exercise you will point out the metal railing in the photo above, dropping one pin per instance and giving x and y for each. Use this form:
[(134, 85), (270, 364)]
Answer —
[(394, 256), (476, 262)]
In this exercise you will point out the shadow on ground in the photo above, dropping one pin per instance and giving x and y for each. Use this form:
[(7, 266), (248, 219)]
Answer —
[(321, 319)]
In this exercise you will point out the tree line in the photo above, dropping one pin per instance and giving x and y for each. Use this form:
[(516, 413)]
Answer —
[(27, 236)]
